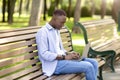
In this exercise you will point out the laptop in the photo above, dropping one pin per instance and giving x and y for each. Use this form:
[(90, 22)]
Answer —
[(85, 51)]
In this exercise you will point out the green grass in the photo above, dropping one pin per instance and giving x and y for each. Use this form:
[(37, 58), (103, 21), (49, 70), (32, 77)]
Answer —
[(78, 42)]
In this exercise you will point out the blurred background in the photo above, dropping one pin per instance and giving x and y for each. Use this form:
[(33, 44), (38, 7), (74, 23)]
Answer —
[(24, 13)]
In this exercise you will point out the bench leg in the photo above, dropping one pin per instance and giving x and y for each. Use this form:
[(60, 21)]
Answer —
[(111, 64), (100, 77)]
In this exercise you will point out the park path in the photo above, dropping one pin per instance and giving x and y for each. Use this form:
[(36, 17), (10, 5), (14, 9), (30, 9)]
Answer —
[(108, 75)]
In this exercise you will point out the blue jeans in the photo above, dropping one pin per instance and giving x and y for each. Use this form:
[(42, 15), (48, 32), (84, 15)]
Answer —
[(87, 65)]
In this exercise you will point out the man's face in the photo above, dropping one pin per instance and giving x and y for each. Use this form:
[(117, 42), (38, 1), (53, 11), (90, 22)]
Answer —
[(59, 21)]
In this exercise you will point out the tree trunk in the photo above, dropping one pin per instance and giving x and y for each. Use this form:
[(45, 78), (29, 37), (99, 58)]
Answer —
[(115, 10), (35, 12), (20, 7), (76, 29), (45, 10), (11, 6), (3, 10), (27, 5), (103, 9), (69, 8), (92, 7)]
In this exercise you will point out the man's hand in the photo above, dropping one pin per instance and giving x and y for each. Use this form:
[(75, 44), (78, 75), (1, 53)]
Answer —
[(72, 56)]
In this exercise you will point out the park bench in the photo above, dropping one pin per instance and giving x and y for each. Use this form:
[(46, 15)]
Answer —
[(104, 39), (19, 58)]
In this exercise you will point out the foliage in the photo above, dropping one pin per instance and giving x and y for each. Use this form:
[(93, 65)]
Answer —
[(85, 12), (51, 9)]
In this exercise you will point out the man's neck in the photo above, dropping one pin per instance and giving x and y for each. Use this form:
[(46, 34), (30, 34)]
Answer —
[(52, 24)]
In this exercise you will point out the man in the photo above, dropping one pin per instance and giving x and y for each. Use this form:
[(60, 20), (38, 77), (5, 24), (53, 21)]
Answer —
[(53, 56)]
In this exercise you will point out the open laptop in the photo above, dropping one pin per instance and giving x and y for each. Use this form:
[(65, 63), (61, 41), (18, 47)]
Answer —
[(85, 51)]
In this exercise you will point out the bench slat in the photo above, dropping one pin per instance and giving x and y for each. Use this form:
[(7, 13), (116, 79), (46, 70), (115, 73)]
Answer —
[(41, 77), (31, 76), (18, 33), (21, 73), (17, 52), (17, 67), (6, 62), (78, 77), (16, 45), (69, 49), (16, 38), (21, 29), (65, 77)]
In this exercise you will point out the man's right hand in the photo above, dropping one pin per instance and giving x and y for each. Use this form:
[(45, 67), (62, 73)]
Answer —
[(72, 56)]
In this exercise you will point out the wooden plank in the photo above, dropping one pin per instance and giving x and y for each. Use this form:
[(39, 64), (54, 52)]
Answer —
[(101, 63), (22, 73), (68, 49), (20, 29), (63, 30), (99, 43), (78, 76), (66, 39), (114, 45), (65, 35), (99, 23), (3, 35), (103, 21), (30, 76), (17, 67), (16, 45), (67, 44), (7, 62), (42, 77), (64, 77), (51, 77), (16, 38), (18, 52)]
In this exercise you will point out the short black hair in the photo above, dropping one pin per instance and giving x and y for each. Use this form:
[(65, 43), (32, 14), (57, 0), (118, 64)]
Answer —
[(59, 12)]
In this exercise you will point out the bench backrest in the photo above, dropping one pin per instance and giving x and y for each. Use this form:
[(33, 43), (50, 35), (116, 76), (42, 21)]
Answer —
[(98, 32), (18, 53)]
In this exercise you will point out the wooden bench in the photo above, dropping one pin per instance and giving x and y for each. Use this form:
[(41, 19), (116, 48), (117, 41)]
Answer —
[(104, 39), (19, 58)]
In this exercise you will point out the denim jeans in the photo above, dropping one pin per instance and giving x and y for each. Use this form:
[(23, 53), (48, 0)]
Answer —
[(87, 65)]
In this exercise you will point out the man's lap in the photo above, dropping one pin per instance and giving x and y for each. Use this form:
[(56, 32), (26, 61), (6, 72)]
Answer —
[(73, 66)]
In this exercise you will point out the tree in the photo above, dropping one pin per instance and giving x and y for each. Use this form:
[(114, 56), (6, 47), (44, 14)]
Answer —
[(27, 5), (103, 9), (45, 10), (76, 29), (20, 7), (10, 9), (92, 7), (35, 12), (115, 10), (3, 10), (69, 8)]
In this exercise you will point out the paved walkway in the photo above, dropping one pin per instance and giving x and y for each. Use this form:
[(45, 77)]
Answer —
[(108, 75)]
